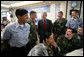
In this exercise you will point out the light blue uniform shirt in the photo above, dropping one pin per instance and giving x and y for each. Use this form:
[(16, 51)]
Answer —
[(17, 35), (74, 23)]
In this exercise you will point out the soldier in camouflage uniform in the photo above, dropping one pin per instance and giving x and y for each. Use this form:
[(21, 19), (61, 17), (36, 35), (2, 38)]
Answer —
[(59, 27), (80, 33), (52, 51), (68, 42), (33, 35), (47, 48)]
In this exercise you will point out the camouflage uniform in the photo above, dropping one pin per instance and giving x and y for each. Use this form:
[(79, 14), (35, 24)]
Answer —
[(52, 51), (66, 45), (59, 27), (38, 50), (32, 36), (81, 40), (43, 50)]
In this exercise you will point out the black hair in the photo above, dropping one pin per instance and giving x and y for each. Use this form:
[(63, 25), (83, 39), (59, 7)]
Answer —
[(60, 12), (46, 36), (73, 30), (77, 11), (32, 12), (21, 12)]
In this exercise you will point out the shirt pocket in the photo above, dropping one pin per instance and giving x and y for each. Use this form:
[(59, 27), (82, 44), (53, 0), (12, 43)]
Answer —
[(15, 34), (72, 24)]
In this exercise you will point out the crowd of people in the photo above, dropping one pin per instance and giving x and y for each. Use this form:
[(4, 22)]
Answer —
[(54, 39)]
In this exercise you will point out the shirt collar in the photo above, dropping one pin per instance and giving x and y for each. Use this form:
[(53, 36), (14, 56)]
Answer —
[(17, 24), (45, 19), (73, 18)]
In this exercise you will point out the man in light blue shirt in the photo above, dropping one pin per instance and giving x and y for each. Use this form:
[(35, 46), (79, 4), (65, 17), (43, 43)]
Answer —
[(75, 21), (16, 34)]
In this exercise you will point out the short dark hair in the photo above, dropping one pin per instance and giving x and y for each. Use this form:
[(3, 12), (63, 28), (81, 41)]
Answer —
[(47, 36), (60, 12), (32, 12), (73, 30), (21, 12), (77, 11)]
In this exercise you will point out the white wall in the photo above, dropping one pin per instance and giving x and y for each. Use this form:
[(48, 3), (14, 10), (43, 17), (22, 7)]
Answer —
[(14, 16), (81, 16), (78, 8), (52, 16)]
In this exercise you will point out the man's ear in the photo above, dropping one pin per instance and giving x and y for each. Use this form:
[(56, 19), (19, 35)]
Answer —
[(19, 17)]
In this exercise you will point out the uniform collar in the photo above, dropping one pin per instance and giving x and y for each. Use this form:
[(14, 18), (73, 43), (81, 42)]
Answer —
[(73, 18), (32, 20)]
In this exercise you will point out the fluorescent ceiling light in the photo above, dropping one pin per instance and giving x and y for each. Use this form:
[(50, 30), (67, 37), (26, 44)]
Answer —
[(6, 6)]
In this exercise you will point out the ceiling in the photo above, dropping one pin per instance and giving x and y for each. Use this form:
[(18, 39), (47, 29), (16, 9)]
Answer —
[(5, 5), (9, 2), (25, 4)]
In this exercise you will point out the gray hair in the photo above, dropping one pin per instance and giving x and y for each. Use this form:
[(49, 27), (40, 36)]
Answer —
[(32, 12), (45, 13)]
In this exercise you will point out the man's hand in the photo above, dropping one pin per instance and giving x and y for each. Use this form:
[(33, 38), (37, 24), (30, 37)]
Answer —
[(6, 44), (52, 41)]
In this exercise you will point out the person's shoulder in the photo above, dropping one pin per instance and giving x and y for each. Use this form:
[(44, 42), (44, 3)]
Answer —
[(29, 20), (11, 25), (41, 45), (40, 20), (70, 20), (65, 19), (28, 25), (61, 37), (37, 50), (80, 19), (56, 21), (48, 19), (77, 36)]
